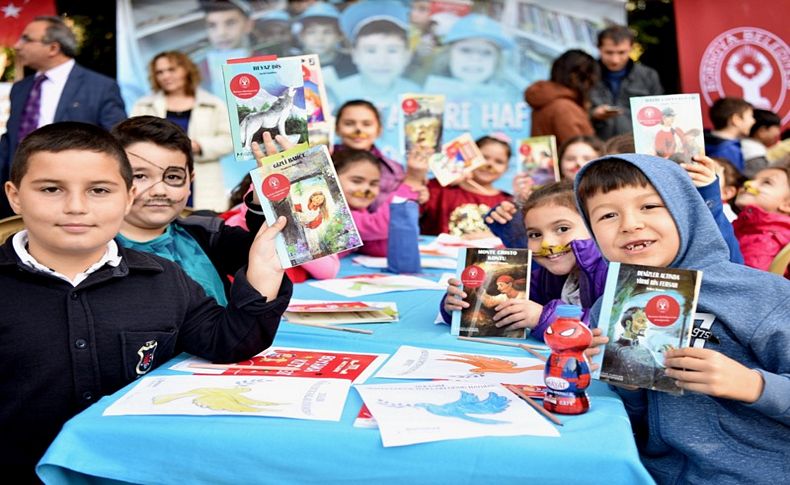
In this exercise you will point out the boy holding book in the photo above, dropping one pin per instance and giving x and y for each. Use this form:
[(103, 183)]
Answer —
[(83, 316), (644, 210)]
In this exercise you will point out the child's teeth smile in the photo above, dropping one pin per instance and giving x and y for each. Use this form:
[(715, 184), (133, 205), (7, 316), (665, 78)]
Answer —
[(638, 246)]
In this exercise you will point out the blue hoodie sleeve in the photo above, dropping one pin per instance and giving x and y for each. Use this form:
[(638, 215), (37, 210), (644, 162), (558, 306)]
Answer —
[(448, 319), (513, 234), (712, 197)]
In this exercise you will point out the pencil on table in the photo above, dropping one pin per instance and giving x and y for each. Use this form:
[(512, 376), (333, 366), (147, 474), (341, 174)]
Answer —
[(332, 327), (535, 405)]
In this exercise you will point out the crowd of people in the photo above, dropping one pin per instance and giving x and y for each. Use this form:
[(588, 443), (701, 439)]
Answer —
[(111, 276)]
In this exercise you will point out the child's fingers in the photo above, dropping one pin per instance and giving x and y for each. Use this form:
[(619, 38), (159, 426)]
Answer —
[(268, 143), (284, 142), (269, 232), (456, 302), (257, 153), (456, 292)]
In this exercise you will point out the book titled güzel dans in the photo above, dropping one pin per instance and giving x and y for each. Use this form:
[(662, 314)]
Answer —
[(457, 157), (490, 277), (539, 160), (645, 312), (421, 121), (301, 184), (264, 94), (668, 126)]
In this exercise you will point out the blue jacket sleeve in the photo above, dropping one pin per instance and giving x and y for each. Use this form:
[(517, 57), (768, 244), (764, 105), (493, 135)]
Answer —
[(712, 197), (448, 319), (513, 234)]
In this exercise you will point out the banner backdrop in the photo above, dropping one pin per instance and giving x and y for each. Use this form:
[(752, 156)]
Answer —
[(482, 67), (737, 49)]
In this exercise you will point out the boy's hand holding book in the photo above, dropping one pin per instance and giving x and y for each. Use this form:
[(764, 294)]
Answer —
[(271, 149), (703, 172), (596, 347), (713, 373)]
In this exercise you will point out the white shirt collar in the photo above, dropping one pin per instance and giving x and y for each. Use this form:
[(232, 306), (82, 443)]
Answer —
[(51, 91), (59, 74), (110, 257)]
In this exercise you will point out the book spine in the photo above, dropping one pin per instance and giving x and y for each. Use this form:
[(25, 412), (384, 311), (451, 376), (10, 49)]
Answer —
[(605, 317), (455, 326)]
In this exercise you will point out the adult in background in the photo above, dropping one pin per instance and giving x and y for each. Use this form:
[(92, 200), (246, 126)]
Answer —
[(177, 97), (621, 78), (60, 90), (559, 105)]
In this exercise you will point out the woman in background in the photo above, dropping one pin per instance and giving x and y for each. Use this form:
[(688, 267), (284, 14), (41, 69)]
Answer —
[(177, 97)]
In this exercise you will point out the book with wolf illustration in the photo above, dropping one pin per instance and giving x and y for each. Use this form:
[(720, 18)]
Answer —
[(459, 156), (646, 310), (539, 160), (421, 121), (490, 277), (668, 126), (301, 184), (264, 94)]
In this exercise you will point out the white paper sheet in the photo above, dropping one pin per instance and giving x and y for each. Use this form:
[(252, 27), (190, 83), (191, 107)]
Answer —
[(282, 397), (421, 363), (374, 284), (434, 411), (425, 262)]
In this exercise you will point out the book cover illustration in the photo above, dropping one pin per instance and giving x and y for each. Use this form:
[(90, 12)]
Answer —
[(422, 412), (264, 94), (282, 397), (301, 184), (315, 98), (458, 157), (337, 312), (668, 126), (490, 277), (421, 121), (421, 363), (645, 311), (539, 159), (293, 362)]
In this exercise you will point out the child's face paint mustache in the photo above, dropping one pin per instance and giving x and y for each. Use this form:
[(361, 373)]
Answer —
[(364, 194), (749, 188), (546, 250)]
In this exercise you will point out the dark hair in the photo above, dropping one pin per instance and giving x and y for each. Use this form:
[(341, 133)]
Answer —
[(159, 131), (384, 27), (320, 21), (344, 159), (240, 190), (69, 135), (608, 175), (358, 102), (593, 141), (732, 176), (485, 140), (59, 33), (577, 70), (179, 59), (723, 109), (224, 6), (622, 143), (556, 193), (764, 118), (617, 34)]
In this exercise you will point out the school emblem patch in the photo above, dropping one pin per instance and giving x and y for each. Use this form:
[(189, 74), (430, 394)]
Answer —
[(146, 353)]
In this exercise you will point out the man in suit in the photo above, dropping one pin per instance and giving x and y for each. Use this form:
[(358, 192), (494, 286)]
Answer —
[(60, 90)]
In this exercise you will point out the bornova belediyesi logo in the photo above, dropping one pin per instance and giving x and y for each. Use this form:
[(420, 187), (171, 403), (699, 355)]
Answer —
[(750, 63)]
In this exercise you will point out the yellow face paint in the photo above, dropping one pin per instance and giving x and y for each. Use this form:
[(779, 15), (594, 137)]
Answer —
[(749, 187), (546, 250), (363, 194)]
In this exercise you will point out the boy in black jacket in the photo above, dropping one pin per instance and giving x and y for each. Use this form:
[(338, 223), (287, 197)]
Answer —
[(81, 316)]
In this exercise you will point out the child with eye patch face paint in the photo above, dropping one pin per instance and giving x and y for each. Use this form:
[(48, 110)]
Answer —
[(359, 172), (569, 268), (208, 250)]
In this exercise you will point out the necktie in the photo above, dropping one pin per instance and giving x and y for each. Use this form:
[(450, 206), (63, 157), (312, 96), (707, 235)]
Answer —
[(29, 121)]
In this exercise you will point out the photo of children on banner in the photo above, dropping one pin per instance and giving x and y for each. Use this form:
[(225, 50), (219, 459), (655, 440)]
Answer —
[(318, 32)]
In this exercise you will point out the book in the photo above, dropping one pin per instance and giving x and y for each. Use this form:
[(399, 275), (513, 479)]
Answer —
[(668, 126), (264, 94), (315, 97), (331, 312), (458, 157), (490, 277), (301, 184), (293, 362), (539, 159), (421, 121), (645, 311)]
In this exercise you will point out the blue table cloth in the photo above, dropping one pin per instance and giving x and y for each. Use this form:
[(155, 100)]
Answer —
[(596, 447)]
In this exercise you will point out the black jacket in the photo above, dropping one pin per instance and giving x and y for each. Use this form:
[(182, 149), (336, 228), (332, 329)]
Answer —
[(64, 347)]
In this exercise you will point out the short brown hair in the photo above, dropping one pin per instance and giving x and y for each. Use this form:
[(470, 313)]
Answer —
[(732, 176), (180, 59), (69, 135), (617, 34), (159, 131), (723, 109), (555, 193), (622, 143), (608, 175)]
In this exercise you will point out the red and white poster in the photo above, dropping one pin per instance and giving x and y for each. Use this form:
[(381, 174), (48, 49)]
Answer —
[(735, 48), (16, 14)]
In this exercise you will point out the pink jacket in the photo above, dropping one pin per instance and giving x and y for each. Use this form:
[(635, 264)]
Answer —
[(761, 235), (373, 227)]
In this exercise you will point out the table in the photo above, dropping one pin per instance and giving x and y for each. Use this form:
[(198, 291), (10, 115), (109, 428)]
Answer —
[(596, 447)]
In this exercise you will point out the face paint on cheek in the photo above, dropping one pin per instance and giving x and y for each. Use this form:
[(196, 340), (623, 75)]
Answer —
[(749, 188), (363, 194)]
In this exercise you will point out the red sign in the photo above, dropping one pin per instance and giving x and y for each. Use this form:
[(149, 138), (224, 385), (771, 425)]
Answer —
[(275, 187), (738, 50), (14, 17), (410, 106), (649, 116), (244, 86), (473, 276), (662, 310)]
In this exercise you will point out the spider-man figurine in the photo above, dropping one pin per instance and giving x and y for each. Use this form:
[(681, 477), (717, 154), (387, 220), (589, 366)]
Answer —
[(567, 372)]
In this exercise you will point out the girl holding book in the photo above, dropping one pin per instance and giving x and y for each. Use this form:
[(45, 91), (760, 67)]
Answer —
[(570, 269)]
